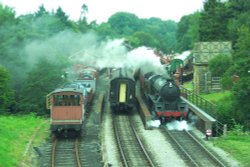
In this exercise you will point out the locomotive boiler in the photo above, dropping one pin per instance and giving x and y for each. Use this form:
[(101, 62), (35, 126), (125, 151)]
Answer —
[(162, 96)]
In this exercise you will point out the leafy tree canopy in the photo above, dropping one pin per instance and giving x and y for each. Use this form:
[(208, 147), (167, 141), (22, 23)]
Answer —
[(242, 52), (7, 14), (41, 11), (42, 79), (142, 39), (5, 91), (124, 23), (213, 21), (188, 31)]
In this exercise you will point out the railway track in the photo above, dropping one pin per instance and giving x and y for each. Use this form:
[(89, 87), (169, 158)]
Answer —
[(191, 150), (65, 153), (130, 146)]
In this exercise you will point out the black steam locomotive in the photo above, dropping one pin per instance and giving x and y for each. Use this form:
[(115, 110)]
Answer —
[(122, 90), (162, 96)]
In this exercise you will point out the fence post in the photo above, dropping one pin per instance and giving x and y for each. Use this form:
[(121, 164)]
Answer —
[(217, 128), (225, 130)]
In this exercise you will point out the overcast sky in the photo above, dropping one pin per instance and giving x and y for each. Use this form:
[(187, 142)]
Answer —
[(101, 10)]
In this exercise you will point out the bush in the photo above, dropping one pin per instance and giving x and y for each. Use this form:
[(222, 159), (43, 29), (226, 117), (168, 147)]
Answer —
[(241, 93), (6, 93), (227, 83), (225, 111), (219, 64)]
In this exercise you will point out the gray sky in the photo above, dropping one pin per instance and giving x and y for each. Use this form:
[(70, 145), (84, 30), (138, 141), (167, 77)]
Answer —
[(101, 10)]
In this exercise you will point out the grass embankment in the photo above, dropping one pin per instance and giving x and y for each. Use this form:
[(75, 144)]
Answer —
[(213, 97), (235, 143), (216, 97), (15, 134)]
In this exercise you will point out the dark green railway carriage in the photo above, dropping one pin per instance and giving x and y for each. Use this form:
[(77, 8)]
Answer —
[(122, 90)]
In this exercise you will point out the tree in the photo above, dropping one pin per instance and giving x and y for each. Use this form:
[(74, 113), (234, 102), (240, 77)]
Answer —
[(82, 22), (188, 31), (142, 39), (164, 32), (6, 92), (241, 89), (213, 21), (242, 52), (41, 11), (220, 64), (238, 13), (64, 19), (84, 12), (124, 23), (105, 30), (44, 78), (7, 14)]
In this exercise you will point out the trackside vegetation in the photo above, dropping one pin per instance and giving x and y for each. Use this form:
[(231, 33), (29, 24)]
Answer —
[(15, 134), (237, 144)]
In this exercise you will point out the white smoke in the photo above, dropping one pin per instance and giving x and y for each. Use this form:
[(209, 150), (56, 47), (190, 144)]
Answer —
[(59, 47), (87, 49), (146, 59), (179, 125), (154, 123)]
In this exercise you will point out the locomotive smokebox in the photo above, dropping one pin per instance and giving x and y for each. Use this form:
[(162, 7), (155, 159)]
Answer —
[(170, 93), (167, 89)]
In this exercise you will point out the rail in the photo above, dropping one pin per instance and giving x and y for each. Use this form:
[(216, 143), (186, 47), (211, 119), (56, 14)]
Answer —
[(64, 148), (141, 145), (77, 153), (124, 159), (196, 152), (130, 146), (190, 159), (53, 152)]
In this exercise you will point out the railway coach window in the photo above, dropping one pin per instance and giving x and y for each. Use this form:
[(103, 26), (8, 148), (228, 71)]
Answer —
[(58, 100), (67, 100), (75, 100)]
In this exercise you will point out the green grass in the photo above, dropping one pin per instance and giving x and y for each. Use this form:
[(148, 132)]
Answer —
[(188, 85), (15, 133), (216, 96), (237, 145), (213, 97)]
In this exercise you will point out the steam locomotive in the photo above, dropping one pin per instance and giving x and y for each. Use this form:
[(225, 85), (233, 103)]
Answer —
[(68, 105), (162, 96), (122, 90)]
